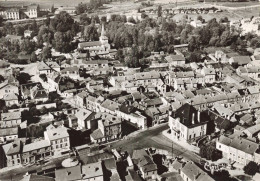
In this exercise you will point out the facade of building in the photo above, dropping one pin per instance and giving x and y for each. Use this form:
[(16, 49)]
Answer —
[(238, 149), (58, 138), (187, 123)]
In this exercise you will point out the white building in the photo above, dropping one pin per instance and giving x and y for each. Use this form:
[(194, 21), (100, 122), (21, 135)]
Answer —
[(187, 123)]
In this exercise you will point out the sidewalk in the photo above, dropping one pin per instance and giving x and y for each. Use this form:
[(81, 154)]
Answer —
[(182, 143), (6, 169)]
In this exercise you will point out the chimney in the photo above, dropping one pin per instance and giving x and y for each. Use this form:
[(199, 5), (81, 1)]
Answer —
[(199, 116), (193, 116)]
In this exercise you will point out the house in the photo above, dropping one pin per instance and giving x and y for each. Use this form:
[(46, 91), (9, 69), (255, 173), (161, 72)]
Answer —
[(175, 60), (10, 119), (92, 171), (54, 66), (81, 99), (61, 83), (11, 99), (240, 60), (187, 123), (59, 139), (8, 134), (109, 106), (84, 118), (69, 174), (252, 72), (132, 175), (94, 64), (156, 115), (70, 10), (129, 113), (145, 164), (109, 128), (93, 103), (238, 149), (32, 11), (6, 88), (13, 14), (38, 150), (191, 172), (72, 72), (43, 68), (210, 75), (252, 131), (27, 33), (33, 177), (13, 153)]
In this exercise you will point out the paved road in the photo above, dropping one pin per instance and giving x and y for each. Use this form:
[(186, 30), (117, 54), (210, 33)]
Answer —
[(153, 138), (16, 173)]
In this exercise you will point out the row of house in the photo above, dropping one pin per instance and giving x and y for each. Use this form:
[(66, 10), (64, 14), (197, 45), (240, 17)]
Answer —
[(56, 141)]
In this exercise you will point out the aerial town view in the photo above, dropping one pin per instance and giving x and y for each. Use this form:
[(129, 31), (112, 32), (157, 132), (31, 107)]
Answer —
[(129, 90)]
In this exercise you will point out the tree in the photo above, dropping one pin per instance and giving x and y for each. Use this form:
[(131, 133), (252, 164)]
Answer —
[(251, 168), (90, 33), (159, 11), (1, 79), (1, 20), (23, 78), (46, 53), (19, 30), (131, 20), (33, 57), (27, 46), (210, 152), (62, 22)]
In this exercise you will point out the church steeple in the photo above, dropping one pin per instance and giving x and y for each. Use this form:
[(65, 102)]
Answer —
[(103, 32), (103, 38)]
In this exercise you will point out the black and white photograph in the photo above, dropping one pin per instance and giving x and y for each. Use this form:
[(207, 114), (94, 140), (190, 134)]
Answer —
[(129, 90)]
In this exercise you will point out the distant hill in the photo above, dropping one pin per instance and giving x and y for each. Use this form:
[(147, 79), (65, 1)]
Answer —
[(55, 2)]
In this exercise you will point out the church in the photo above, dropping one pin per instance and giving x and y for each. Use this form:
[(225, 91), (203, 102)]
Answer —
[(100, 47)]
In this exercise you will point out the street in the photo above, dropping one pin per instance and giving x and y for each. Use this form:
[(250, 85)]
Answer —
[(151, 137), (11, 174)]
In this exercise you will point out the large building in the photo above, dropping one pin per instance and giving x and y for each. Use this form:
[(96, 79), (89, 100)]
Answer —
[(238, 149), (187, 123), (59, 139), (102, 46)]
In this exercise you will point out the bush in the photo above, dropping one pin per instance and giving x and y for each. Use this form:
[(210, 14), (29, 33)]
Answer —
[(251, 168)]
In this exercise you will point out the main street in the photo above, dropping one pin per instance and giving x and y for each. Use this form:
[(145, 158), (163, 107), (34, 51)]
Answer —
[(151, 137)]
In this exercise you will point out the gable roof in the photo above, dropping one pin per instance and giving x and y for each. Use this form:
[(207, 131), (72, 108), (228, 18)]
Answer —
[(188, 116), (57, 133), (92, 170), (68, 174)]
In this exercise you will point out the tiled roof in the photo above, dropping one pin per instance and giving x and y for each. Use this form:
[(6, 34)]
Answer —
[(97, 134), (193, 171), (57, 133), (68, 174), (92, 170), (89, 44), (36, 145), (188, 116), (10, 116), (8, 131)]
